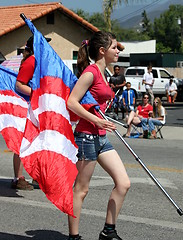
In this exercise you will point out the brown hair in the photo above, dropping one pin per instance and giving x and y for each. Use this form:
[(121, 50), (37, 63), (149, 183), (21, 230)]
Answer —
[(90, 49)]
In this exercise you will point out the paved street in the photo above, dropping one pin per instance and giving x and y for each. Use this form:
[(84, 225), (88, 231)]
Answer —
[(146, 215), (174, 115)]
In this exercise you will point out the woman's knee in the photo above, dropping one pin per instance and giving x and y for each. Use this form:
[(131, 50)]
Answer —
[(81, 191), (127, 185), (123, 186)]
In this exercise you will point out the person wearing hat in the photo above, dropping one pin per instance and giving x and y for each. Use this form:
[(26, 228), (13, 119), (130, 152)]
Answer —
[(25, 74), (171, 91)]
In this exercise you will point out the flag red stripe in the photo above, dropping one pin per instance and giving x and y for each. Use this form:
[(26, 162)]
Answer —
[(13, 138), (31, 131), (12, 109), (57, 188), (51, 85), (52, 122), (8, 93)]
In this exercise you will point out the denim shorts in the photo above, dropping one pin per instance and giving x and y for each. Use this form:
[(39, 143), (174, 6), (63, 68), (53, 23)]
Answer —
[(91, 145)]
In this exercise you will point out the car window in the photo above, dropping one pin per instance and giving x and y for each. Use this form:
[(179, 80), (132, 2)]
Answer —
[(164, 74), (134, 72), (155, 73)]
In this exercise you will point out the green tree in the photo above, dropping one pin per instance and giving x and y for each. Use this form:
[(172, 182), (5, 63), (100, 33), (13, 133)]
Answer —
[(146, 25), (82, 14), (167, 32), (97, 19), (108, 7)]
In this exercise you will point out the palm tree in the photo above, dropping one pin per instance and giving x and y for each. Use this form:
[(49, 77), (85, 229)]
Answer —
[(108, 7)]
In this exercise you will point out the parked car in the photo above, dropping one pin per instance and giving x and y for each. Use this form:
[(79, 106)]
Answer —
[(134, 75)]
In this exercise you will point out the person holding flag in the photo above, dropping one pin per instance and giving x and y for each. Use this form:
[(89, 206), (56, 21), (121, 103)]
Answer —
[(25, 74), (90, 132)]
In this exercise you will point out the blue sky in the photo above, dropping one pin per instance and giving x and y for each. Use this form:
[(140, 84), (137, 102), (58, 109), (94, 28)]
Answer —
[(94, 5), (86, 5)]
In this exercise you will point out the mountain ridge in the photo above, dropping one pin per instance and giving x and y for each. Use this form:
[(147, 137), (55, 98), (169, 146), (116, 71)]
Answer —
[(133, 19)]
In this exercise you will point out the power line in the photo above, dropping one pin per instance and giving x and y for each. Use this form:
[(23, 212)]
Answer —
[(137, 11)]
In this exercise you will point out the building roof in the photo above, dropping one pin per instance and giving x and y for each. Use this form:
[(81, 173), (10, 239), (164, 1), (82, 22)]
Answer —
[(10, 16)]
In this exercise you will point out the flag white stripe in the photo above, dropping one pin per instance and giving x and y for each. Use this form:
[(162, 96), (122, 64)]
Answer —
[(7, 120), (53, 141), (14, 100), (51, 102)]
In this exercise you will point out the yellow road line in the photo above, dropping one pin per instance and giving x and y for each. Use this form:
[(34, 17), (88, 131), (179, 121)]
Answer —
[(6, 151), (127, 165)]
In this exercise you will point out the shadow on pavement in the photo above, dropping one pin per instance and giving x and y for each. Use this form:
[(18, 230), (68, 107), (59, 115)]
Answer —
[(35, 235), (6, 190)]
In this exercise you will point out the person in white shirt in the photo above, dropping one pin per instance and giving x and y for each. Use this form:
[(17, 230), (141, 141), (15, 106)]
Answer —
[(148, 80), (171, 90)]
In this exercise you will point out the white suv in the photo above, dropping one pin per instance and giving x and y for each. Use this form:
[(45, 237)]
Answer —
[(134, 75)]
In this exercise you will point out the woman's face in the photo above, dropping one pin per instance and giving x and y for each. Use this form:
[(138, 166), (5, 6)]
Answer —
[(155, 102), (112, 53), (145, 99)]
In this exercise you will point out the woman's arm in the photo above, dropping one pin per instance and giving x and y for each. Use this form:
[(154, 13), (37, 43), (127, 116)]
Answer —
[(23, 88), (73, 103)]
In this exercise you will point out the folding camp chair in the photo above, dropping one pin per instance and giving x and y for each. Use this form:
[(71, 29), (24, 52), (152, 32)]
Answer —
[(136, 131), (158, 130)]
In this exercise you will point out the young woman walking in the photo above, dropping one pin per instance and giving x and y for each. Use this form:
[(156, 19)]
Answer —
[(90, 133)]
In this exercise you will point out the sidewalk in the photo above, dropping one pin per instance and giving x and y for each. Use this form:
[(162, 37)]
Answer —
[(168, 132)]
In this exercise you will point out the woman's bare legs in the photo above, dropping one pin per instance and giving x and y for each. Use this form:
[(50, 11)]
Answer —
[(85, 171), (131, 119), (112, 164)]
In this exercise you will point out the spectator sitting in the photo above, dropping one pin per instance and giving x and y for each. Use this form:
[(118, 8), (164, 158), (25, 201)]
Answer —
[(140, 117), (158, 117), (128, 98), (171, 90)]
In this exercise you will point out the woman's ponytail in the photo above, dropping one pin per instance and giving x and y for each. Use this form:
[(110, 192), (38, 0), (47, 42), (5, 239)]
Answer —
[(83, 58)]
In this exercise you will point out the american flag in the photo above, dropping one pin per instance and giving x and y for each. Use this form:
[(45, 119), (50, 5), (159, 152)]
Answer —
[(48, 150)]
